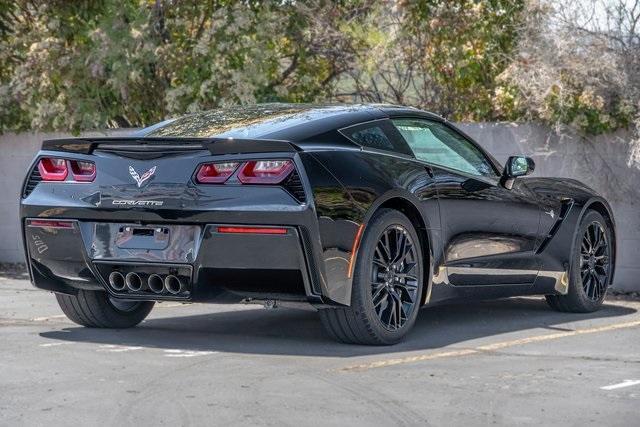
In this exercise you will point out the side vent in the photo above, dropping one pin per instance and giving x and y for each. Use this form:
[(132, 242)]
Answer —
[(564, 210), (294, 186), (34, 179)]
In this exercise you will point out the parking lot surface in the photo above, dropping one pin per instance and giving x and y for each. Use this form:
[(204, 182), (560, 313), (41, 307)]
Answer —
[(511, 361)]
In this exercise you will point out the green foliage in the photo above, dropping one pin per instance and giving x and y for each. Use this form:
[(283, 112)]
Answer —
[(76, 65), (587, 111), (567, 73), (468, 43), (84, 65)]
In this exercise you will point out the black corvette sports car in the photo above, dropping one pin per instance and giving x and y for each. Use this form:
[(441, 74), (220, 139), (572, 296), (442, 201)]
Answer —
[(363, 212)]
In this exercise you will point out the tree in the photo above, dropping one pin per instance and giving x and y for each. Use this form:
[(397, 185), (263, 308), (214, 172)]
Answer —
[(86, 65), (439, 55), (577, 63), (118, 63)]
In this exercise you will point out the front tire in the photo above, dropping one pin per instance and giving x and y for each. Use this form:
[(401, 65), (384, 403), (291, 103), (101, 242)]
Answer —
[(387, 284), (591, 268), (96, 309)]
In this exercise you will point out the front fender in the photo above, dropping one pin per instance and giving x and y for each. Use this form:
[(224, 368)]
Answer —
[(557, 249)]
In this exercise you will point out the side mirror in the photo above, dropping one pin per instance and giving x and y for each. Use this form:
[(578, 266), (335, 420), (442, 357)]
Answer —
[(516, 166)]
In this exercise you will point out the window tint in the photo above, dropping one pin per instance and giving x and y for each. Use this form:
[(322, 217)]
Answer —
[(435, 143), (379, 135), (372, 137)]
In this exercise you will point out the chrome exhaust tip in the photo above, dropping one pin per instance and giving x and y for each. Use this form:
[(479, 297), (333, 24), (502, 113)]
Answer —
[(117, 281), (172, 284), (155, 283), (133, 281)]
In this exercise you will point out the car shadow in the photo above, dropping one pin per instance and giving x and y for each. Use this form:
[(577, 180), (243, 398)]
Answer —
[(300, 333)]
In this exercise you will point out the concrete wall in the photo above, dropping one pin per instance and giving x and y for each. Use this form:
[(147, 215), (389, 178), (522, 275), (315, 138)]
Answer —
[(604, 163), (16, 153), (609, 164)]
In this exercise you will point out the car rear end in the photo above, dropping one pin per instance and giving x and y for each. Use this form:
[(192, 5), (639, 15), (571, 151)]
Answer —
[(220, 220)]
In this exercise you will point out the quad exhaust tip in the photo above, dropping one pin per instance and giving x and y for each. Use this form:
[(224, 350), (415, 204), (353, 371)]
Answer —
[(117, 281), (173, 284), (155, 283), (137, 282), (133, 281)]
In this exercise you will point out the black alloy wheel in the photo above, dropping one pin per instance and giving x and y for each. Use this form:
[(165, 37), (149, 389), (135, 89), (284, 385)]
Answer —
[(387, 284), (394, 281), (594, 261), (591, 268)]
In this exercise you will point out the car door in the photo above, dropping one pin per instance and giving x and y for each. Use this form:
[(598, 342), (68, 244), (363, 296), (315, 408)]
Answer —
[(489, 231)]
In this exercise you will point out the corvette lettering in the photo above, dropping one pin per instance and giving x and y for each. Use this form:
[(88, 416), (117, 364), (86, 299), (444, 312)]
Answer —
[(137, 202)]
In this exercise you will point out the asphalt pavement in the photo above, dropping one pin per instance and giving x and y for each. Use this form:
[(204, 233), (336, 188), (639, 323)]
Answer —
[(507, 362)]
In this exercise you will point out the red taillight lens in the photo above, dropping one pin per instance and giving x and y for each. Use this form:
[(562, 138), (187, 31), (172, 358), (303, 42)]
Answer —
[(215, 173), (265, 171), (252, 230), (53, 169), (83, 171)]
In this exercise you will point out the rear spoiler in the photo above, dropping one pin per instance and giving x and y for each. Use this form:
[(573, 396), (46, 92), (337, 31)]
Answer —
[(85, 145)]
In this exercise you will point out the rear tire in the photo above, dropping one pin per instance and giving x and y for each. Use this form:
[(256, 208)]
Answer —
[(96, 309), (591, 267), (387, 285)]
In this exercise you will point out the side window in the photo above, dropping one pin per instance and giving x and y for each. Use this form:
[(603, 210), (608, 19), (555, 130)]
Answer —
[(379, 135), (372, 137), (435, 143)]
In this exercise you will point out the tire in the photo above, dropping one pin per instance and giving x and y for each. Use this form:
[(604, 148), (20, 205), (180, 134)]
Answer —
[(95, 309), (375, 324), (587, 291)]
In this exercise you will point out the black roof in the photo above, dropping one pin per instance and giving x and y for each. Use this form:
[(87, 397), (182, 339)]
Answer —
[(291, 122)]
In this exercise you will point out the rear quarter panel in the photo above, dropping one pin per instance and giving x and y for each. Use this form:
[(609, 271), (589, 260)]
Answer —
[(362, 183)]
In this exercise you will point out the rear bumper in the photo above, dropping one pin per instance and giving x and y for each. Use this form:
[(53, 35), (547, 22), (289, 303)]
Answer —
[(318, 211), (225, 267)]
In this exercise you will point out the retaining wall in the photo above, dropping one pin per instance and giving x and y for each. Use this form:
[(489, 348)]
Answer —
[(601, 162)]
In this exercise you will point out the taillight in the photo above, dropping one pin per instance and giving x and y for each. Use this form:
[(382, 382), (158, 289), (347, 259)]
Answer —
[(251, 172), (83, 171), (53, 169), (215, 173), (252, 230), (265, 171)]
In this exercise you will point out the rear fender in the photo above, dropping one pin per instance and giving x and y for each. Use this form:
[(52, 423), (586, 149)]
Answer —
[(363, 183)]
